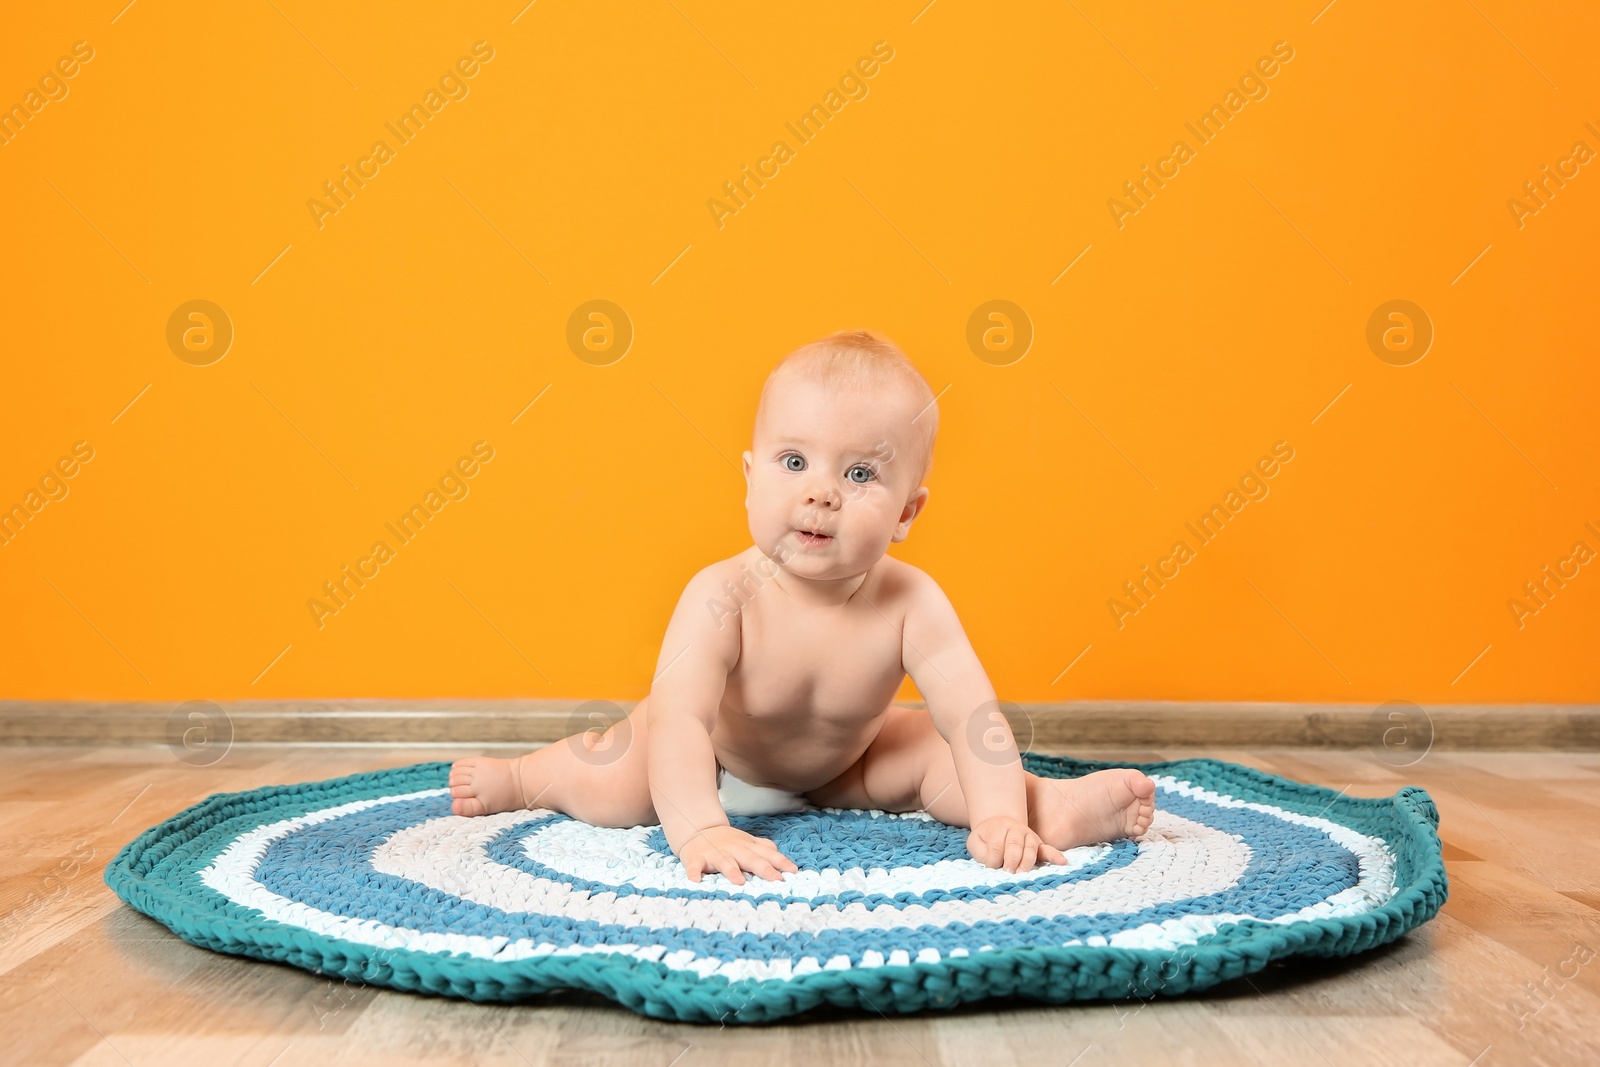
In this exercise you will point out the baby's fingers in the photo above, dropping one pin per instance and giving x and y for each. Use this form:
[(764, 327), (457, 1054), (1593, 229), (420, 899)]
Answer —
[(981, 850), (732, 869), (761, 869), (770, 864), (769, 848), (1051, 853), (1016, 842), (1030, 851)]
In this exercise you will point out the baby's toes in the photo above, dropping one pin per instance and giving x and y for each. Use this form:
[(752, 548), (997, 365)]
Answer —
[(468, 805), (464, 793), (1139, 785)]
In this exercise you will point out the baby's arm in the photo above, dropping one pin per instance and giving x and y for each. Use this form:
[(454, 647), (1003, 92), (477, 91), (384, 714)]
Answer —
[(966, 713), (697, 653)]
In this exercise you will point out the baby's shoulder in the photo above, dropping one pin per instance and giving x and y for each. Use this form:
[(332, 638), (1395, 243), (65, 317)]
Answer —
[(710, 578), (725, 578), (903, 585), (896, 575), (920, 602)]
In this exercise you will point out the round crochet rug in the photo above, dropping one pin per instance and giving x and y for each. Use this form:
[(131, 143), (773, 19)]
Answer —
[(370, 878)]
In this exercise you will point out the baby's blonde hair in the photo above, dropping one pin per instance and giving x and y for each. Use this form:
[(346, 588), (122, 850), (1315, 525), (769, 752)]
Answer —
[(851, 359)]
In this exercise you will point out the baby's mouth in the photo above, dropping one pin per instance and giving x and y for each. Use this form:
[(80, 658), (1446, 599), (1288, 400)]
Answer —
[(808, 538)]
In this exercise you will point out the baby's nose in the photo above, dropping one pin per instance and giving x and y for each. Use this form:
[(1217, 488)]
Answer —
[(826, 496)]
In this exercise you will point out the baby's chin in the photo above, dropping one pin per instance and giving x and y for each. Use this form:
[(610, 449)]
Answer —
[(822, 565)]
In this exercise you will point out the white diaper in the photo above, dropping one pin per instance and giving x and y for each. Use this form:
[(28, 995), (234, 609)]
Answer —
[(742, 798)]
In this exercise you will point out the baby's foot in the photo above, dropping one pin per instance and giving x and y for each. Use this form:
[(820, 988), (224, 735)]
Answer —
[(484, 785), (1099, 807)]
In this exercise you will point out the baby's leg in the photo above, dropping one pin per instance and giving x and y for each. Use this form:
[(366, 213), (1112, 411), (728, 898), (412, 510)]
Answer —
[(909, 767), (599, 778)]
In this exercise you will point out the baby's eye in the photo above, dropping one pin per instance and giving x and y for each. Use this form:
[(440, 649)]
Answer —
[(864, 469), (791, 459)]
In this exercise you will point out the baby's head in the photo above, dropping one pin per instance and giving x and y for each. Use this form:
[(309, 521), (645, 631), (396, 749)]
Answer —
[(843, 440)]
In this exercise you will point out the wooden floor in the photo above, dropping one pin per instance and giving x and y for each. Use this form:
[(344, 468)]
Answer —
[(1509, 972)]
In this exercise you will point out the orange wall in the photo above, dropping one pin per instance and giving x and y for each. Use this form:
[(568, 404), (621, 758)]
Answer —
[(374, 346)]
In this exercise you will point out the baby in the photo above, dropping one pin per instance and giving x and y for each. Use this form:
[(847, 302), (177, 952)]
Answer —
[(780, 664)]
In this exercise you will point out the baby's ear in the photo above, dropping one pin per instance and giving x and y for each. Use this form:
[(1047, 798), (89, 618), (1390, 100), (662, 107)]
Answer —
[(908, 514)]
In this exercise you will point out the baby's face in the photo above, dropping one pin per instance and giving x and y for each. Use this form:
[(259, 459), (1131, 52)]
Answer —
[(843, 464)]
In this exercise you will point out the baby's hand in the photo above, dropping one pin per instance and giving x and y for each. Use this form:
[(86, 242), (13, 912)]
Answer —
[(1003, 841), (732, 851)]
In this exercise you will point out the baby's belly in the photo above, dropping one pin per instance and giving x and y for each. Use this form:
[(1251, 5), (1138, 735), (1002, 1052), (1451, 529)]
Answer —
[(796, 760)]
